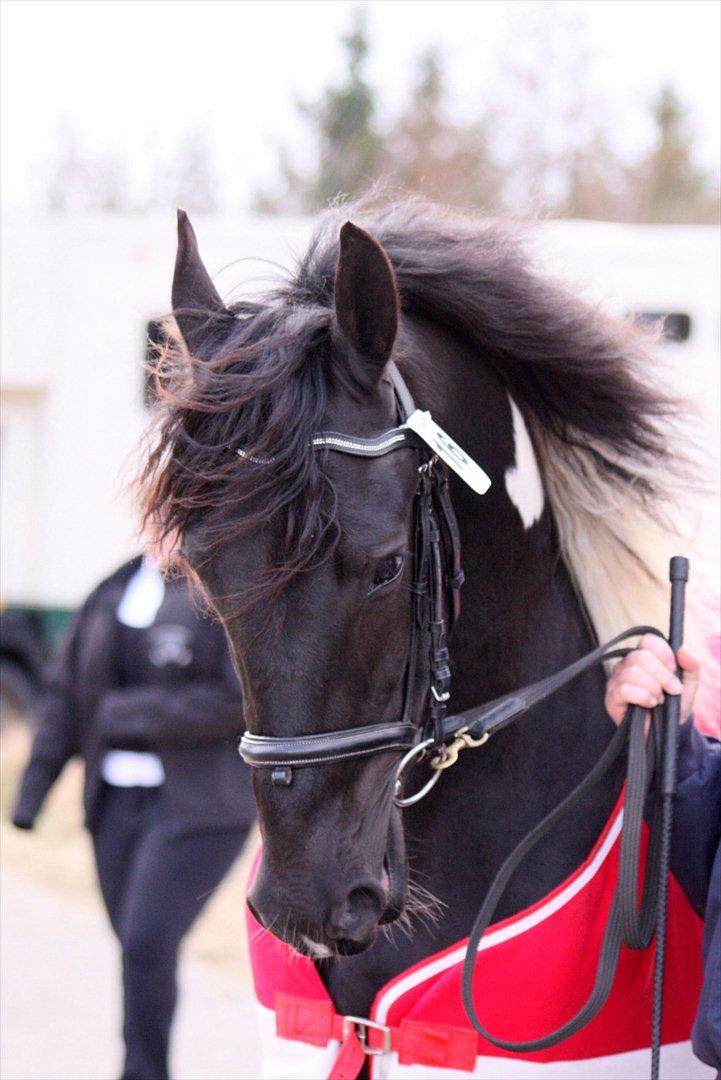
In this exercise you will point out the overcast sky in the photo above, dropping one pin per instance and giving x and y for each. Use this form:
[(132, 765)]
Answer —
[(132, 75)]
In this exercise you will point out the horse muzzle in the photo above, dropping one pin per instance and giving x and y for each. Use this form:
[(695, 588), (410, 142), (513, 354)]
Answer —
[(338, 919)]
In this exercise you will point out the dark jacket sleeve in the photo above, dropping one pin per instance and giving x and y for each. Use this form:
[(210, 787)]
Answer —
[(196, 714), (697, 813), (696, 863), (56, 739), (706, 1035)]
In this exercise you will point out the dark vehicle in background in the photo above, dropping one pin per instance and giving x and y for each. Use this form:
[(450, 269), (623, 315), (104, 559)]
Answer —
[(29, 639)]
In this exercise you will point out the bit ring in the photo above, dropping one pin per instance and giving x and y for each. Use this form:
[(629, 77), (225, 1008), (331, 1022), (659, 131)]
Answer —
[(416, 752)]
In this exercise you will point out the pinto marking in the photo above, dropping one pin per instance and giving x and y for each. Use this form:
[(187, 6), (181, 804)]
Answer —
[(523, 480)]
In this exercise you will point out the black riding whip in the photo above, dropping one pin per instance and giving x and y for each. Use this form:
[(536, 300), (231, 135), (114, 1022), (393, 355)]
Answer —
[(678, 574)]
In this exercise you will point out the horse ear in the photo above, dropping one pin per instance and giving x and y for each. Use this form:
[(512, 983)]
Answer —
[(366, 296), (198, 309)]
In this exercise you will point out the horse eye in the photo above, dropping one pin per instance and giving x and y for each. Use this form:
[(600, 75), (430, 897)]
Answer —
[(386, 571)]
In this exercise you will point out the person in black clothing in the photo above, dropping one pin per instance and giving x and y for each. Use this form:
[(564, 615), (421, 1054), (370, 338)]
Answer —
[(146, 693)]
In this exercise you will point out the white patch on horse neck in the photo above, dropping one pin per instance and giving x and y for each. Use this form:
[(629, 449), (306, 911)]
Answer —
[(523, 480)]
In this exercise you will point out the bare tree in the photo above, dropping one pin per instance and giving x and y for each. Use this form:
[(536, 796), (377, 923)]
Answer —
[(542, 142), (350, 151), (668, 185), (430, 153), (550, 122)]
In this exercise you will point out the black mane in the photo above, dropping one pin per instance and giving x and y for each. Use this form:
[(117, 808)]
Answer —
[(580, 377)]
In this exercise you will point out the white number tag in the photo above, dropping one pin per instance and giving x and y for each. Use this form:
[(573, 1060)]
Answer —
[(449, 451)]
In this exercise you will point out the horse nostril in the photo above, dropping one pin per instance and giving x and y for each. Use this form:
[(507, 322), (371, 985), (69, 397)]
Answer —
[(358, 915)]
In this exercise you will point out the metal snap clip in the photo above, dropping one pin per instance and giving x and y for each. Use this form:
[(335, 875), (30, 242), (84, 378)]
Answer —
[(449, 754)]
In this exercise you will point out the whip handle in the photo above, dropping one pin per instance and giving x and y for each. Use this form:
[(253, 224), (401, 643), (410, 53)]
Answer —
[(678, 574)]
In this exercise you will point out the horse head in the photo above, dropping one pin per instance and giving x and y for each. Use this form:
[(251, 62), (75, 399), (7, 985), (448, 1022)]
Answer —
[(308, 555), (333, 866)]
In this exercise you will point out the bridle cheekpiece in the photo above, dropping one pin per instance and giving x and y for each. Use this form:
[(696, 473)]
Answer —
[(437, 579)]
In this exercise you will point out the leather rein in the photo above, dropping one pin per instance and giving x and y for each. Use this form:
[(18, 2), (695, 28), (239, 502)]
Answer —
[(437, 578)]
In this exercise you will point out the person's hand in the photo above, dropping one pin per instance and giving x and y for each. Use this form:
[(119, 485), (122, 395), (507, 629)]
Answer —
[(649, 672)]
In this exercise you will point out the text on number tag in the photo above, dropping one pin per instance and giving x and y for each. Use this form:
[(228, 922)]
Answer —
[(449, 451)]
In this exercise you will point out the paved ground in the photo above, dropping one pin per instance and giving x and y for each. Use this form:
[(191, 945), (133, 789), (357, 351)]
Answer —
[(60, 998)]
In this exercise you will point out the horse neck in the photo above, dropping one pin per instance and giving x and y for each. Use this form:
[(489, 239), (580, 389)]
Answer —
[(521, 620), (521, 617)]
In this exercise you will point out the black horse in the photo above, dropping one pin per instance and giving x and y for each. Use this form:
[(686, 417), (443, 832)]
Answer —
[(306, 555)]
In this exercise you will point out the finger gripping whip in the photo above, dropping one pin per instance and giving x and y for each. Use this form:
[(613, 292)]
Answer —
[(678, 574)]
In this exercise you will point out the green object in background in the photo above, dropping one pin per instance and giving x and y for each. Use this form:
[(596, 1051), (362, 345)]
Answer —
[(55, 621), (47, 624), (30, 637)]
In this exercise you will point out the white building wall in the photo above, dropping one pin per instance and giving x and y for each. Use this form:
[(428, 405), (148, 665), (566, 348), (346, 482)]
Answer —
[(76, 297)]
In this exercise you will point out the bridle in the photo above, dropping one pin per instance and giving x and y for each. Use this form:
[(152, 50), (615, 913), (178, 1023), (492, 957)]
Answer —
[(435, 606), (437, 578)]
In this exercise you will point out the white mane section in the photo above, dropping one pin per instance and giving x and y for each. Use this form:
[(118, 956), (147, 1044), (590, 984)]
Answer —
[(523, 480), (618, 552)]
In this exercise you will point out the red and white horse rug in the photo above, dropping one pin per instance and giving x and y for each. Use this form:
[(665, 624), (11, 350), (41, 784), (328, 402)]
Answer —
[(533, 971)]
